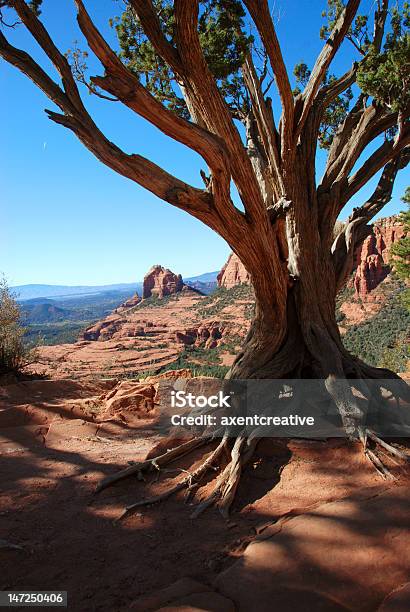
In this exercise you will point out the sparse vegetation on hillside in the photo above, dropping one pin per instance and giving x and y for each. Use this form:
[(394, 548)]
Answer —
[(383, 338), (154, 302), (222, 297)]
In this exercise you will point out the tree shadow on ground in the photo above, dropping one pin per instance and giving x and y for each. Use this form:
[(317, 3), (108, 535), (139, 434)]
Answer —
[(70, 542)]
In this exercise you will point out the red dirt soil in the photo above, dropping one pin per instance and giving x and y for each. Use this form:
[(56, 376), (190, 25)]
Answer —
[(318, 508)]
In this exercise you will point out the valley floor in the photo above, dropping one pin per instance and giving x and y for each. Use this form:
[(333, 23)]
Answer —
[(313, 528)]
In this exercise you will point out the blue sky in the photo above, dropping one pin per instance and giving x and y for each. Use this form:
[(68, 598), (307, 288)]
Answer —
[(66, 218)]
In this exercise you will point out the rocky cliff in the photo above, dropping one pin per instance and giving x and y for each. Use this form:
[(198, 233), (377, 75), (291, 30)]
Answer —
[(372, 262), (233, 273), (160, 282), (373, 258)]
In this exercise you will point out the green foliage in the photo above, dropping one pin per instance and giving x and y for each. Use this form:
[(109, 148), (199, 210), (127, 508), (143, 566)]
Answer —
[(35, 6), (383, 75), (13, 353), (154, 302), (358, 33), (386, 76), (48, 334), (184, 362), (396, 357), (387, 331), (401, 249), (222, 37)]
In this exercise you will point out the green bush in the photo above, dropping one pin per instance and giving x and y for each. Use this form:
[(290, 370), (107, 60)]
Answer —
[(14, 355)]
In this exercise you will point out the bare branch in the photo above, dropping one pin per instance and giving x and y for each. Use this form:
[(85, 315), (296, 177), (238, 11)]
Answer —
[(25, 63), (147, 174), (265, 122), (325, 58), (137, 168), (40, 34), (388, 151), (384, 189), (356, 228), (362, 125), (259, 11), (120, 82), (212, 107), (330, 92), (379, 25)]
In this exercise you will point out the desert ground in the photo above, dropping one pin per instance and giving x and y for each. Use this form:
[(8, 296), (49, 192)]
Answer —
[(314, 527)]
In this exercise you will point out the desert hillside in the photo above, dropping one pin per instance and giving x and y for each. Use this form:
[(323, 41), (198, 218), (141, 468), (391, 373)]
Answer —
[(173, 326)]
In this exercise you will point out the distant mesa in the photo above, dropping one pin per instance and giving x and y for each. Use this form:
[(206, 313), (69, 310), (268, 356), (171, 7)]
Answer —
[(161, 282)]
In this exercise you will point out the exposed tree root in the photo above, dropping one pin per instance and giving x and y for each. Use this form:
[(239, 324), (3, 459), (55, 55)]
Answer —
[(374, 457), (150, 465), (227, 482), (391, 449), (236, 452), (188, 482)]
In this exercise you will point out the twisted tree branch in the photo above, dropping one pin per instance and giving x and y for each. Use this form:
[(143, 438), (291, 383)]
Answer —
[(259, 11), (324, 60)]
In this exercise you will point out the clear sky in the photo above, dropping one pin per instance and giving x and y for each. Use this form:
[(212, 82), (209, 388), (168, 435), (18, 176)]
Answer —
[(66, 218)]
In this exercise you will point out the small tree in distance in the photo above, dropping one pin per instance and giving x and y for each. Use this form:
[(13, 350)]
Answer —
[(195, 70), (13, 353)]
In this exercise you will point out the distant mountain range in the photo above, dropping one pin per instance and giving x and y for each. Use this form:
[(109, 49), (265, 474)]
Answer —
[(202, 282), (29, 292)]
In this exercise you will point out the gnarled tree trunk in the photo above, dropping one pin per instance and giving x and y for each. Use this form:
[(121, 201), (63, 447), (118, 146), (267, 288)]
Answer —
[(284, 232)]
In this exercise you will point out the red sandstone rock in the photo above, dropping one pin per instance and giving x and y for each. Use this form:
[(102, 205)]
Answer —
[(387, 232), (371, 270), (136, 399), (160, 282), (373, 257), (130, 303), (233, 273)]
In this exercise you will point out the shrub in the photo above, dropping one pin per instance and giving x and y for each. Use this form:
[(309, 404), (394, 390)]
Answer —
[(14, 355)]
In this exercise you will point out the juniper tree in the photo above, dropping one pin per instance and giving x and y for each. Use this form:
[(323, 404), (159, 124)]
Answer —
[(198, 70)]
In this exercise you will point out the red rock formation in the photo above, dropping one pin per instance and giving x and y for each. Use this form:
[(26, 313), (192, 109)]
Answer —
[(132, 301), (206, 335), (372, 260), (373, 257), (233, 273), (160, 282)]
